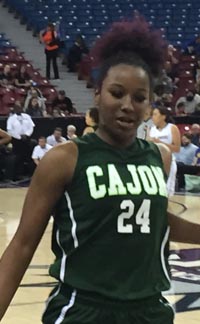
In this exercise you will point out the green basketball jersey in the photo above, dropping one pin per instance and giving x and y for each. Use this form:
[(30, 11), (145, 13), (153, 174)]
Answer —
[(110, 229)]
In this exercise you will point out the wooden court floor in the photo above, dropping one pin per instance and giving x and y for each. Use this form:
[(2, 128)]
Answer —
[(28, 303)]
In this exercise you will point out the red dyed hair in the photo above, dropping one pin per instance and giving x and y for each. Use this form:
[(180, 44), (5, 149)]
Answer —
[(134, 42)]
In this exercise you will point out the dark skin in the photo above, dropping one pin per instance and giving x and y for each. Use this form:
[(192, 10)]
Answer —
[(5, 138), (122, 102)]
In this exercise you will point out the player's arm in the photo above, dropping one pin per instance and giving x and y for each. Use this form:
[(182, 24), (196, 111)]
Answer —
[(180, 229), (176, 140), (54, 172)]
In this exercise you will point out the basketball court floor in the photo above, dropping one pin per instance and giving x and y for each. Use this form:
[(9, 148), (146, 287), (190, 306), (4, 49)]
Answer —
[(28, 303)]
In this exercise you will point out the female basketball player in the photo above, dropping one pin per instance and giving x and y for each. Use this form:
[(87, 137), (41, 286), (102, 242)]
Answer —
[(109, 195), (91, 120), (165, 132)]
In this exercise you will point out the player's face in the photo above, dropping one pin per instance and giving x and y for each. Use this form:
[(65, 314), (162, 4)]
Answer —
[(122, 102), (157, 117)]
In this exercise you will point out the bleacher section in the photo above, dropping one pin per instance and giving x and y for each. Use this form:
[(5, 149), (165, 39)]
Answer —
[(10, 55), (179, 19)]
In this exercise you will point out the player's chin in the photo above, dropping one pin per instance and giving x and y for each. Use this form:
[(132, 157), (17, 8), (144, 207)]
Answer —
[(124, 136)]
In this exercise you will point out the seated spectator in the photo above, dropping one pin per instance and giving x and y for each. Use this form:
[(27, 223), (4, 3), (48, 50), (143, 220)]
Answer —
[(35, 93), (180, 109), (187, 150), (185, 159), (40, 150), (166, 100), (20, 126), (6, 78), (63, 104), (75, 53), (91, 120), (171, 50), (22, 78), (195, 132), (172, 73), (56, 113), (196, 160), (56, 138), (191, 100), (71, 132), (165, 82), (34, 109)]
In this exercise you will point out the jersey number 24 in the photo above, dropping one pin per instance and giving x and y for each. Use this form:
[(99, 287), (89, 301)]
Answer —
[(141, 218)]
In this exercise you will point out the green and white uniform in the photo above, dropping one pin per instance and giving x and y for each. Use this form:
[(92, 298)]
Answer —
[(110, 230)]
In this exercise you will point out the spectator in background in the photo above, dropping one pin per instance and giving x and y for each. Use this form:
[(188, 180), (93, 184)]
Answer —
[(20, 126), (166, 100), (35, 93), (165, 81), (63, 104), (187, 150), (172, 72), (22, 78), (180, 109), (191, 100), (34, 109), (56, 138), (91, 120), (144, 128), (50, 38), (196, 160), (71, 132), (195, 132), (186, 162), (75, 54), (40, 150), (6, 78)]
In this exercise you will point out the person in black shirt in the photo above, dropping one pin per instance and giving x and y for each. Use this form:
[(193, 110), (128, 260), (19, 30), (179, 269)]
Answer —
[(22, 78), (75, 54), (6, 78), (63, 104), (34, 109)]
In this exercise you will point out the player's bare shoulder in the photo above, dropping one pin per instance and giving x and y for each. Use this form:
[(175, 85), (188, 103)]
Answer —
[(60, 162)]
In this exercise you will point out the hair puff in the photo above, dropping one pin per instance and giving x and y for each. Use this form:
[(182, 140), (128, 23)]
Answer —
[(134, 36)]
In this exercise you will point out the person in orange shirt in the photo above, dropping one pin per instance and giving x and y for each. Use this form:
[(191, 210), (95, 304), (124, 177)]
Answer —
[(50, 39)]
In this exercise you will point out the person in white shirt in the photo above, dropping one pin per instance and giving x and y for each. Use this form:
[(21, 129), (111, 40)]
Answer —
[(56, 138), (191, 101), (20, 126), (165, 132), (40, 150)]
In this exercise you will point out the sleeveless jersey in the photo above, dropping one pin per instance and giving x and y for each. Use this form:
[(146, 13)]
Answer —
[(110, 233), (164, 134)]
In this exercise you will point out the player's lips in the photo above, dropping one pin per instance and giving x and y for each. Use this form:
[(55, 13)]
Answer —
[(125, 121)]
